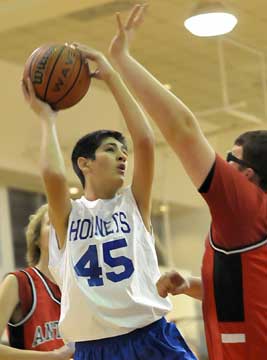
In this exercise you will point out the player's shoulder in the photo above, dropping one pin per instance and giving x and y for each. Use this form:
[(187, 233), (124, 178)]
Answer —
[(20, 273), (78, 204), (126, 196), (10, 283), (11, 279)]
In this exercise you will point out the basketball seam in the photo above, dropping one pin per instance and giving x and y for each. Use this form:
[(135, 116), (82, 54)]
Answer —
[(51, 72), (74, 82)]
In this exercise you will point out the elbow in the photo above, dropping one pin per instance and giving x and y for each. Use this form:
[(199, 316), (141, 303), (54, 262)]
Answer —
[(185, 130), (147, 142), (49, 175)]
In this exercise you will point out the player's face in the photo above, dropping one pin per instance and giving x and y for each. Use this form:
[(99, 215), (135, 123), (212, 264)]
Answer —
[(110, 164)]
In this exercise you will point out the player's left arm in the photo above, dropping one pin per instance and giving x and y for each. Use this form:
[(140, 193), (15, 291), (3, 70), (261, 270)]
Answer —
[(138, 126), (143, 146)]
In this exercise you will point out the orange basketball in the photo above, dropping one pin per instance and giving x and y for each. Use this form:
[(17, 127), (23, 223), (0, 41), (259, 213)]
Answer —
[(60, 75)]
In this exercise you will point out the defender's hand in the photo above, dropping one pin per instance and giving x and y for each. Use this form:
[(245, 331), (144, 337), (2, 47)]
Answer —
[(172, 283), (120, 43)]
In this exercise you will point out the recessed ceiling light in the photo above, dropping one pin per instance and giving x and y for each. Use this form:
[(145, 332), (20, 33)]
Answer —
[(210, 18)]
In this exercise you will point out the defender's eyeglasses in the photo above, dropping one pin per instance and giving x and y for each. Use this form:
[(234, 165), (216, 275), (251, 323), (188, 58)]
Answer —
[(231, 157)]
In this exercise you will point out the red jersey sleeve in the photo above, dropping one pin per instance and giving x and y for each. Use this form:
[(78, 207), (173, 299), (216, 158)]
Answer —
[(238, 208)]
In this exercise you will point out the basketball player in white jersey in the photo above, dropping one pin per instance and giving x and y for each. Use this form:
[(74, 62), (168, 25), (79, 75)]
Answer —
[(101, 245)]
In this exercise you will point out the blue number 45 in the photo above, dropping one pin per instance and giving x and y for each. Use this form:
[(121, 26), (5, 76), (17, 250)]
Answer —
[(88, 265)]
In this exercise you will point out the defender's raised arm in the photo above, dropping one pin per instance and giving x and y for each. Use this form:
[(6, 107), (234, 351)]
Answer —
[(176, 122)]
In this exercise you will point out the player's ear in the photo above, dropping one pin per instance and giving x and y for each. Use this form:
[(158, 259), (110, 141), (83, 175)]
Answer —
[(249, 173), (84, 164)]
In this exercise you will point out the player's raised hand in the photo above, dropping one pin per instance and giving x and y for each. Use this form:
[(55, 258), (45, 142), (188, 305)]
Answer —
[(172, 283), (120, 43), (104, 69), (39, 107)]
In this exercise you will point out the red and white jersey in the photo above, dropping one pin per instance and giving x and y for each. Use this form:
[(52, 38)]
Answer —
[(40, 304), (234, 269), (107, 270)]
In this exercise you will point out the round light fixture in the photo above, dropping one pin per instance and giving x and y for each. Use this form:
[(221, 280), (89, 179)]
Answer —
[(210, 18)]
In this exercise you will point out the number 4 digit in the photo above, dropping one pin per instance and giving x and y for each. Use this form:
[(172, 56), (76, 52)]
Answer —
[(93, 272)]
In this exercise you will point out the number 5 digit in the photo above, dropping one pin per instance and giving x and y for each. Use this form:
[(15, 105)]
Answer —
[(117, 261)]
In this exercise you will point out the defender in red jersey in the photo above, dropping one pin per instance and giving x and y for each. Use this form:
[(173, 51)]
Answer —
[(30, 302), (234, 272), (40, 303)]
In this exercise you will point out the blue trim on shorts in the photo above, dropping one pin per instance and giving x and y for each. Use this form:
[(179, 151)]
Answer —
[(160, 340)]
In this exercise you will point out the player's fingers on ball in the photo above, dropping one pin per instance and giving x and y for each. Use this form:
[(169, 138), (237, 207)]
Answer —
[(24, 90), (88, 52), (78, 46), (91, 55), (95, 74), (30, 88), (74, 44)]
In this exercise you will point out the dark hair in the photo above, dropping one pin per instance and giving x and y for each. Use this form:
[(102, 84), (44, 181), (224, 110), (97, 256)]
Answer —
[(87, 146), (254, 145)]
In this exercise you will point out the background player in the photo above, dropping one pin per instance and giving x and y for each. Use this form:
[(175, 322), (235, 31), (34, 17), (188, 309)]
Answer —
[(30, 301), (107, 266), (235, 260)]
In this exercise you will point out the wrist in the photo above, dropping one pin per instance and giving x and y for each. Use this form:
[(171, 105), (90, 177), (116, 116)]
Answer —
[(120, 56), (48, 117), (188, 284), (112, 77)]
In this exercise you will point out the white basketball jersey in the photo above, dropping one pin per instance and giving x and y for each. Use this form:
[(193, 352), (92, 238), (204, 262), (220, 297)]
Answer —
[(107, 271)]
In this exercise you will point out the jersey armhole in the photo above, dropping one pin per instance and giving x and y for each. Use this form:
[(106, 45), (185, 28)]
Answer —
[(129, 192), (204, 188), (27, 296)]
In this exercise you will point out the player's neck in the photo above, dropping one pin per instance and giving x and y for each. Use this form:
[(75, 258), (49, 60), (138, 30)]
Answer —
[(43, 267), (94, 194)]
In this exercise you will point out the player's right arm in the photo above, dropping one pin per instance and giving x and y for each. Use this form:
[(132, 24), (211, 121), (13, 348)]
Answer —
[(52, 165), (9, 299), (176, 122)]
